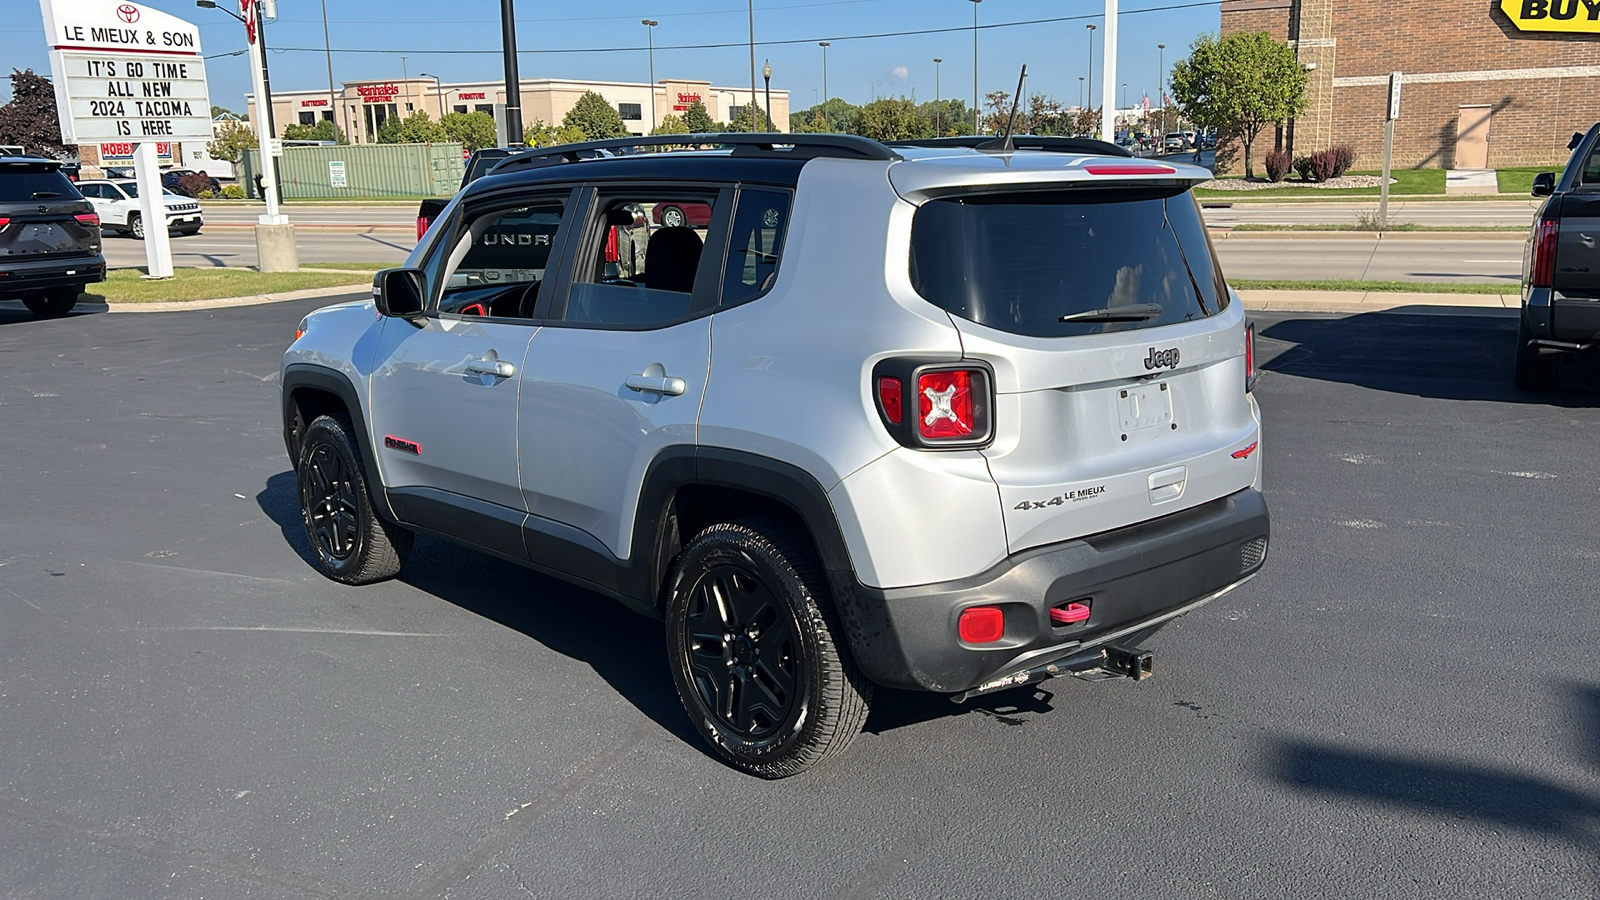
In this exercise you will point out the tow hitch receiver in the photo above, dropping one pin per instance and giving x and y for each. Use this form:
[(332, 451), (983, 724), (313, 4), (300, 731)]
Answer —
[(1131, 663)]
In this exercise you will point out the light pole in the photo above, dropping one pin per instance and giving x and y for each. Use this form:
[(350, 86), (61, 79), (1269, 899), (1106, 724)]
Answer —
[(1080, 93), (825, 45), (1161, 79), (1091, 27), (405, 79), (650, 37), (752, 6), (766, 76), (508, 36), (333, 101), (438, 88), (977, 124), (1124, 96), (938, 110)]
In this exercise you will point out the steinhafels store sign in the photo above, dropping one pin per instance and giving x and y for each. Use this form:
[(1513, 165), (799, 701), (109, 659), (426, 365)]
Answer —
[(1553, 15), (378, 93)]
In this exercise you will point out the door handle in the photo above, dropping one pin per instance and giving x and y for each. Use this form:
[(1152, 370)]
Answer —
[(499, 368), (657, 384)]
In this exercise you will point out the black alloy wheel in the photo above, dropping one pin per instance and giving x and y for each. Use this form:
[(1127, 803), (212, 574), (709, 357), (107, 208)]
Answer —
[(350, 542), (756, 651), (53, 305)]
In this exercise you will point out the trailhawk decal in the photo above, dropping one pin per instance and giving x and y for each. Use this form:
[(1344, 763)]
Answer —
[(1074, 496)]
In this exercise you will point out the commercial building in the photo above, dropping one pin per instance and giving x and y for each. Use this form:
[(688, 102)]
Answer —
[(1486, 84), (361, 107)]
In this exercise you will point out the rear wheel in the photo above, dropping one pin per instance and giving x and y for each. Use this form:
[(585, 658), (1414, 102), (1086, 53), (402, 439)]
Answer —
[(350, 542), (757, 653), (136, 225), (1535, 372), (53, 305), (673, 217)]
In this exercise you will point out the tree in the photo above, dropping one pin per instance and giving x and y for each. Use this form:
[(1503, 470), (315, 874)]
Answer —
[(893, 119), (222, 110), (748, 115), (835, 115), (474, 130), (324, 130), (30, 118), (416, 128), (231, 141), (1239, 85), (538, 134), (948, 118), (671, 124), (697, 119), (596, 117)]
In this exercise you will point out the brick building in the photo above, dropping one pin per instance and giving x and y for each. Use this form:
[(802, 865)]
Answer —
[(1478, 92)]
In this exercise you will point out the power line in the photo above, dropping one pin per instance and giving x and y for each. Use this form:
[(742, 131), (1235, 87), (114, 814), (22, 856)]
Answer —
[(676, 15), (809, 40)]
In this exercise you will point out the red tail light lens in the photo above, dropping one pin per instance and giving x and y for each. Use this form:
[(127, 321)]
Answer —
[(1544, 253), (946, 409), (422, 227), (4, 221), (891, 400), (981, 624), (88, 219)]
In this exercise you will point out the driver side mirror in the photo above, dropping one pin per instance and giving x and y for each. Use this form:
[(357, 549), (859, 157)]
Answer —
[(398, 293), (1544, 184)]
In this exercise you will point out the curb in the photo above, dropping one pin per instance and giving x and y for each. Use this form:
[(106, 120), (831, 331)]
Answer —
[(1231, 234), (229, 302), (1382, 301)]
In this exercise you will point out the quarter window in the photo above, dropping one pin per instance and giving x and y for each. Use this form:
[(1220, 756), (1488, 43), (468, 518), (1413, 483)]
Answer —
[(645, 259), (758, 229)]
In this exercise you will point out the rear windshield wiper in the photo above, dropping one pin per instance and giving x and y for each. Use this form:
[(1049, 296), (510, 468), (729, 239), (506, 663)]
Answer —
[(1137, 312), (44, 195)]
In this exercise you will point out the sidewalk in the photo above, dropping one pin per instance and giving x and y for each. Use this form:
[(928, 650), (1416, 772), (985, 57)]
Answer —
[(1379, 301)]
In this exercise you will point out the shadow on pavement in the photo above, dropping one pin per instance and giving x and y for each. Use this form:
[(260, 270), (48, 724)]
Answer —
[(1492, 796), (13, 312), (1453, 354)]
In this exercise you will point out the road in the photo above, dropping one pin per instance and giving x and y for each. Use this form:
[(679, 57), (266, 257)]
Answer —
[(1405, 702), (1242, 256)]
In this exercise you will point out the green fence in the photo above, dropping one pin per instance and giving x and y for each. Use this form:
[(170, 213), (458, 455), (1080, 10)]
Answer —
[(363, 170)]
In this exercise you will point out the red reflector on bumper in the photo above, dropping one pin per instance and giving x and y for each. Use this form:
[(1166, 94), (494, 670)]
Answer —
[(982, 624), (1069, 614), (1245, 453)]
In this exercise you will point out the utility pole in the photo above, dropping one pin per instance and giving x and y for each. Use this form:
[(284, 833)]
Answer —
[(1108, 81), (977, 122), (825, 45), (1080, 93), (438, 88), (752, 5), (938, 110), (508, 34), (650, 37), (333, 101), (1091, 27)]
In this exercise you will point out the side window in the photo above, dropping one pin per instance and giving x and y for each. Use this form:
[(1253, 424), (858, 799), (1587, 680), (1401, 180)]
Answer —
[(759, 224), (91, 191), (498, 264), (642, 259), (1591, 167)]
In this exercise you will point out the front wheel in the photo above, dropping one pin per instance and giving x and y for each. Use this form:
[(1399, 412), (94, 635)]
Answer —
[(350, 542), (53, 305), (756, 652), (136, 225)]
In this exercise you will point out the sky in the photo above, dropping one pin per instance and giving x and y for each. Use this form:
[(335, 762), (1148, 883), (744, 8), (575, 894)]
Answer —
[(369, 38)]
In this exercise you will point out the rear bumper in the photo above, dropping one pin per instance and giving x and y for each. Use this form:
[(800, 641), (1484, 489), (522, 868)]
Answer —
[(1133, 579), (19, 277), (1561, 319)]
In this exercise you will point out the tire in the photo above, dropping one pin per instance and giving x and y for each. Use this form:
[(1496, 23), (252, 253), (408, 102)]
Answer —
[(53, 305), (350, 542), (673, 217), (1534, 372), (136, 226), (775, 631)]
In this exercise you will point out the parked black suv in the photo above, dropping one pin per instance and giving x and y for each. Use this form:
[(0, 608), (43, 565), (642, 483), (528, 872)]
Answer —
[(1561, 268), (49, 237)]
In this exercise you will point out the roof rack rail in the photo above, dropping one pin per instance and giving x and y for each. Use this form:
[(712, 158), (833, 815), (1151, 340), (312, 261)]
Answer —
[(804, 146), (1041, 142)]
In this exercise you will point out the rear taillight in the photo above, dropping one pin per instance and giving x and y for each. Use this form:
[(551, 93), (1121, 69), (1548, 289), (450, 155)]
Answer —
[(935, 405), (422, 226), (1544, 253), (4, 221), (890, 400), (88, 219), (1250, 357)]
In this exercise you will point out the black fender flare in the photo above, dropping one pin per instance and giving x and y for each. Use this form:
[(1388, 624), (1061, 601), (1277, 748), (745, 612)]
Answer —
[(322, 378)]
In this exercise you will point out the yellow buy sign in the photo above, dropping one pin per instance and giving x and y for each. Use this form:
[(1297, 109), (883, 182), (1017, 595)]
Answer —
[(1582, 16)]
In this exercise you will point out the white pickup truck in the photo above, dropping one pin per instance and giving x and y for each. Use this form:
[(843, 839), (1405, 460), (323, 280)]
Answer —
[(117, 203)]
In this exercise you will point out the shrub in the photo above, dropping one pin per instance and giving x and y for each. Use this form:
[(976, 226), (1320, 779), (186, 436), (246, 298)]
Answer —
[(232, 192), (1302, 167), (192, 185), (1344, 157), (207, 194), (1323, 163), (1278, 163)]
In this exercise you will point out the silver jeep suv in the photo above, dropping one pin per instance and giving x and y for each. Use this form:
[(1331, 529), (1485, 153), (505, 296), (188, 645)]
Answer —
[(950, 416)]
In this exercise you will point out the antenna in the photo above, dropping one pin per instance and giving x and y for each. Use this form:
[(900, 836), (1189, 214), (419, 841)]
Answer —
[(1003, 144)]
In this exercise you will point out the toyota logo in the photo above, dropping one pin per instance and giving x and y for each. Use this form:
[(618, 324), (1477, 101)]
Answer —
[(129, 13)]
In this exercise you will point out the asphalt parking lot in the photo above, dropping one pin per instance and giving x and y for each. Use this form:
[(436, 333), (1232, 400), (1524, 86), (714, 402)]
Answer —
[(1405, 704)]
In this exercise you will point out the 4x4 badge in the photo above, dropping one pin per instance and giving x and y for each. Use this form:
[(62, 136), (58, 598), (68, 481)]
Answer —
[(1162, 359)]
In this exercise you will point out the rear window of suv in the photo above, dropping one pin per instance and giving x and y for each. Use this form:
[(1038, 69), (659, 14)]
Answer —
[(18, 183), (1019, 262)]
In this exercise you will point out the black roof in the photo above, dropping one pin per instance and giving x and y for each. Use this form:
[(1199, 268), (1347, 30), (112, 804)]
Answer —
[(687, 167), (30, 162)]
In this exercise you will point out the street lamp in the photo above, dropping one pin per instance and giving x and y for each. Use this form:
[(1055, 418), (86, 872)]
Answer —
[(334, 106), (825, 45), (977, 127), (438, 88), (1091, 27), (1161, 79), (1124, 95), (1080, 93), (938, 111), (766, 75), (650, 38)]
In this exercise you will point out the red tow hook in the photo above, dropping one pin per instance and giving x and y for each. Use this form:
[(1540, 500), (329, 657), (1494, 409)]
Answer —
[(1069, 614)]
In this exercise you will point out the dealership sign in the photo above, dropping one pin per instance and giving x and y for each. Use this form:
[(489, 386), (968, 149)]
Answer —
[(122, 152), (125, 72), (1579, 16)]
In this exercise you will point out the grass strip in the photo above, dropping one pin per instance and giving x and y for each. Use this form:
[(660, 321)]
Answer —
[(1406, 226), (1413, 287), (372, 266), (129, 285)]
